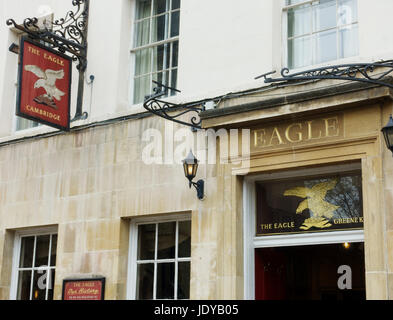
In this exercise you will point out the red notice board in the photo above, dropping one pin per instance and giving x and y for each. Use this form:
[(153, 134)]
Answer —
[(84, 289), (44, 85)]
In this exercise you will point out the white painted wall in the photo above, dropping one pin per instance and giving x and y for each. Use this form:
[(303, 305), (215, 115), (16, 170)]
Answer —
[(224, 44)]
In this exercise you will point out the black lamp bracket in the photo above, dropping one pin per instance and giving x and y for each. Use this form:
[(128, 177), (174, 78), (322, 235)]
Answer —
[(67, 35), (171, 111), (199, 186)]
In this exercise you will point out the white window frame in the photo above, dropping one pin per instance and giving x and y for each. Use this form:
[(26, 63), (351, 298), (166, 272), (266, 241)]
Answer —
[(133, 249), (252, 242), (284, 10), (16, 258), (170, 41)]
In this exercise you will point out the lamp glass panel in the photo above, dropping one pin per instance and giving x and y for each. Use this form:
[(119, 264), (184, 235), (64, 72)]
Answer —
[(185, 167), (190, 170), (386, 139), (389, 135), (195, 168)]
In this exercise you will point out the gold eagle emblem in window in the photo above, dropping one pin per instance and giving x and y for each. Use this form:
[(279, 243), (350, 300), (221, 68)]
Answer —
[(320, 209)]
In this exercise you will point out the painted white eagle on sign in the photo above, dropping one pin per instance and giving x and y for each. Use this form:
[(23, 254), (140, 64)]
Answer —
[(47, 80)]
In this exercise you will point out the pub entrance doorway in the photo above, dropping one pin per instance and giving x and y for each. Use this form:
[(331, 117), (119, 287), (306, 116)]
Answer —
[(314, 272)]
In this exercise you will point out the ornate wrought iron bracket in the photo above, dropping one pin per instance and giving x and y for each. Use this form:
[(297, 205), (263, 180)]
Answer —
[(354, 72), (171, 111), (67, 35)]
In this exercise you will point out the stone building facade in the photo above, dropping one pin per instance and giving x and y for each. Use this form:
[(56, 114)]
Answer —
[(109, 198)]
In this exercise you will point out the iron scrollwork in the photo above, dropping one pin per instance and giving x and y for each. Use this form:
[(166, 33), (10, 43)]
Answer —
[(67, 35), (166, 109), (355, 72)]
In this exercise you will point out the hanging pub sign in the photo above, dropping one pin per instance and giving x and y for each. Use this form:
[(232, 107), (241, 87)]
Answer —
[(328, 203), (44, 85), (84, 289)]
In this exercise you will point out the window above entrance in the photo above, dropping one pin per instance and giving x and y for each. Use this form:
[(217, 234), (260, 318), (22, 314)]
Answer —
[(310, 204)]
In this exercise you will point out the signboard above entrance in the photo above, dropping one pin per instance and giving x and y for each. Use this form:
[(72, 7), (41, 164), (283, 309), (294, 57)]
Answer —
[(310, 204), (44, 85), (290, 134)]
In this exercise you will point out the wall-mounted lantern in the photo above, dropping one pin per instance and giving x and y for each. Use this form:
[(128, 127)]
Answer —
[(190, 166), (388, 134)]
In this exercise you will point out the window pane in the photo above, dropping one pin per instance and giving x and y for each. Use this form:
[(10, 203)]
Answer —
[(324, 15), (142, 33), (22, 124), (160, 28), (141, 88), (299, 21), (173, 81), (145, 278), (52, 275), (183, 282), (165, 281), (24, 282), (347, 11), (39, 284), (160, 6), (299, 52), (146, 241), (326, 45), (53, 250), (175, 4), (162, 77), (26, 252), (159, 77), (348, 44), (42, 251), (143, 9), (166, 240), (184, 239), (175, 20), (161, 57), (175, 49), (142, 61)]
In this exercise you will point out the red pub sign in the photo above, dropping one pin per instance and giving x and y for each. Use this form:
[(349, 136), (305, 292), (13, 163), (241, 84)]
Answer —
[(44, 89), (84, 289)]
